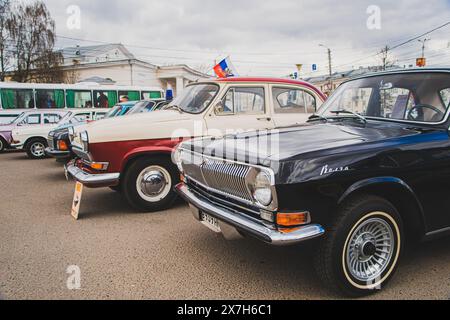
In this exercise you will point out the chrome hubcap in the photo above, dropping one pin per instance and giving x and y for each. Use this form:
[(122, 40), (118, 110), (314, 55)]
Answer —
[(154, 183), (370, 249), (37, 149)]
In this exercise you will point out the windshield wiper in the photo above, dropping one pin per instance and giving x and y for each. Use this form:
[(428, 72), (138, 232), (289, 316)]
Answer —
[(315, 117), (174, 107), (337, 112)]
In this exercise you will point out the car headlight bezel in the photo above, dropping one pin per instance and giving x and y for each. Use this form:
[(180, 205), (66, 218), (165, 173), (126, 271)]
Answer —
[(262, 189), (176, 158), (71, 131), (84, 137)]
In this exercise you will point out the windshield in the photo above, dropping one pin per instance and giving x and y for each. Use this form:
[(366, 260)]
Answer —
[(195, 98), (10, 118), (142, 107), (419, 97), (115, 111)]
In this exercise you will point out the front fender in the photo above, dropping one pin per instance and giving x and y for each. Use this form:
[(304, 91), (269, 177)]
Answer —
[(165, 146), (385, 183), (357, 186), (143, 151)]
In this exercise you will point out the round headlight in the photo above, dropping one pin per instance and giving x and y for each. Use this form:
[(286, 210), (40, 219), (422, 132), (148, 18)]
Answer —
[(263, 189)]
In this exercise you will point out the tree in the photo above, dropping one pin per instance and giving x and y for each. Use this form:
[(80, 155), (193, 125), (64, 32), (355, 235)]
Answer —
[(5, 50), (32, 31), (387, 60)]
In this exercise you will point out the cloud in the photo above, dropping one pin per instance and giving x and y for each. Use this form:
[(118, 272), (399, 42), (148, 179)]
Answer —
[(262, 37)]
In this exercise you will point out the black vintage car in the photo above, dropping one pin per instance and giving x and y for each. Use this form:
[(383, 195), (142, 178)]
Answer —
[(368, 173)]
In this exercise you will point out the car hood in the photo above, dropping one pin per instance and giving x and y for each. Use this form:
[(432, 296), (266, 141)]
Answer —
[(309, 140), (135, 126), (7, 127)]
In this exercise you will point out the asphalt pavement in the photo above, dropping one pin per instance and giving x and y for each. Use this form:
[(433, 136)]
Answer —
[(121, 254)]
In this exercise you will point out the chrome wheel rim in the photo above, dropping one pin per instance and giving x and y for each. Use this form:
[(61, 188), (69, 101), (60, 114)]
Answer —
[(1, 145), (370, 250), (153, 183), (37, 149)]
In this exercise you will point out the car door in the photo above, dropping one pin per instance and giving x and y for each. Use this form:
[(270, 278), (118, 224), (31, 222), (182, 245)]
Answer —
[(241, 108), (292, 105)]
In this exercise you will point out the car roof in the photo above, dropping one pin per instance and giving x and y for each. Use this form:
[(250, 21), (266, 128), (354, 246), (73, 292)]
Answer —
[(402, 71), (271, 80)]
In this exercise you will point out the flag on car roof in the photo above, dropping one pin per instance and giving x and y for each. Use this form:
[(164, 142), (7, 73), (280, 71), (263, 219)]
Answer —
[(225, 69)]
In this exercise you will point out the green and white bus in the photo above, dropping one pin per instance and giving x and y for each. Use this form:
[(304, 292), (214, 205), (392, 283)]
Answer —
[(20, 96)]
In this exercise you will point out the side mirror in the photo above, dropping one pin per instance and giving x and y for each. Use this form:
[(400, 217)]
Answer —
[(218, 107)]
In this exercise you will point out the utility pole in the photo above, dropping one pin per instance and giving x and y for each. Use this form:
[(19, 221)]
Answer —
[(423, 41), (385, 53), (330, 71), (422, 61)]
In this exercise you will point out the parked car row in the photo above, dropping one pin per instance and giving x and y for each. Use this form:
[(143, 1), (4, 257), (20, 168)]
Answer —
[(34, 129), (357, 175)]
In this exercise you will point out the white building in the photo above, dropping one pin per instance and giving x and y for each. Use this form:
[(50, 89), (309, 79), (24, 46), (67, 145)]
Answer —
[(115, 64)]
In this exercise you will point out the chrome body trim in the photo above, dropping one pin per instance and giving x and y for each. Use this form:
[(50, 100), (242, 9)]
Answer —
[(246, 225), (234, 181), (93, 180), (56, 153)]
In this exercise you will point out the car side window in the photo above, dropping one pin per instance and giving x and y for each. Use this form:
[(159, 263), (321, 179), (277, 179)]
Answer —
[(289, 100), (51, 118), (99, 115), (82, 117), (32, 119), (243, 100), (445, 95)]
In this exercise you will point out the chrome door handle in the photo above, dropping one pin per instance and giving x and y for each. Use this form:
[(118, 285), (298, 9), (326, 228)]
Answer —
[(264, 119)]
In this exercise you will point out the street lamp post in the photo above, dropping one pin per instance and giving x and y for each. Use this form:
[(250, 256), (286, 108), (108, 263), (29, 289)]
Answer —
[(330, 71)]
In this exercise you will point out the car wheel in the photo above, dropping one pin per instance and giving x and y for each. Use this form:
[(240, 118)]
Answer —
[(148, 184), (35, 148), (2, 145), (362, 248)]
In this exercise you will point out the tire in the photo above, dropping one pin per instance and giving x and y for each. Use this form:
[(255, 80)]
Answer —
[(360, 236), (35, 148), (2, 145), (158, 194)]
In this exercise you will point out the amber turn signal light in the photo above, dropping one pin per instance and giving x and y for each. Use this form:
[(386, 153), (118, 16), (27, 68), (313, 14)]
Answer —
[(292, 219), (62, 145), (100, 166)]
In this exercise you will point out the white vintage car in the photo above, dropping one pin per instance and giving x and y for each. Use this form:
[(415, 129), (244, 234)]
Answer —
[(133, 154), (32, 130)]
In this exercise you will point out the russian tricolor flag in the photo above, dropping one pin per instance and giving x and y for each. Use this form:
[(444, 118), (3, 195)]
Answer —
[(225, 69)]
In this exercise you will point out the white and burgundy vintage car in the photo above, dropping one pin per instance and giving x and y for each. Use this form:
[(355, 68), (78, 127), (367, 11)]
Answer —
[(133, 154)]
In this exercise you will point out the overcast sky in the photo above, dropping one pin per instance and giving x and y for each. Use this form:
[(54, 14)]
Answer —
[(262, 37)]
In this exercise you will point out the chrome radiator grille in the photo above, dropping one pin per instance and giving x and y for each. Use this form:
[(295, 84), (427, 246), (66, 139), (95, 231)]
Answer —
[(226, 177)]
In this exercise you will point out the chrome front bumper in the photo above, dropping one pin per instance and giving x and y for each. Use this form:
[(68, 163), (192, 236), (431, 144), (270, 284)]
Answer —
[(246, 225), (93, 180), (57, 153)]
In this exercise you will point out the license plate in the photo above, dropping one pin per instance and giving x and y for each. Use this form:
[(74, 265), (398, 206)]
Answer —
[(210, 222), (76, 200)]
